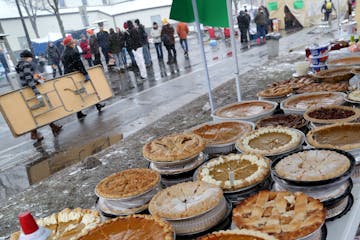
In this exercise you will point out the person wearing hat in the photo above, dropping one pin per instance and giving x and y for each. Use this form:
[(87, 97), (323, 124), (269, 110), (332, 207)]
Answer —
[(103, 40), (72, 62), (94, 47), (86, 54), (27, 74), (167, 37), (53, 57)]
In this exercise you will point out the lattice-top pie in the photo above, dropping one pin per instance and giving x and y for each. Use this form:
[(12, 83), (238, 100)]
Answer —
[(188, 199), (270, 140), (305, 101), (312, 165), (127, 183), (284, 215), (222, 132), (332, 114), (244, 109), (235, 171), (173, 147), (238, 234), (133, 227)]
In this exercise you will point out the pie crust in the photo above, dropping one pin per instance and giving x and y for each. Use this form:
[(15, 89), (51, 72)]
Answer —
[(332, 114), (270, 141), (284, 215), (144, 227), (244, 110), (312, 165), (222, 132), (185, 200), (238, 234), (247, 170), (127, 183), (354, 95), (275, 92), (305, 101), (283, 120), (344, 136), (173, 147)]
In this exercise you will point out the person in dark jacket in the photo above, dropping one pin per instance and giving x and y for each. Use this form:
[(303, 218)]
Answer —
[(53, 56), (244, 23), (260, 20), (127, 45), (327, 9), (167, 37), (28, 78), (103, 40), (94, 47), (115, 46), (72, 63), (86, 54), (145, 42)]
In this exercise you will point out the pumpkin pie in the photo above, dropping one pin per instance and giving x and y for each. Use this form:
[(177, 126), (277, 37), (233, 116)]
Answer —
[(331, 114), (144, 227), (244, 110), (283, 120), (222, 132), (312, 165), (238, 234), (127, 183), (185, 200), (284, 215), (235, 171), (305, 101), (344, 136), (174, 147), (270, 141)]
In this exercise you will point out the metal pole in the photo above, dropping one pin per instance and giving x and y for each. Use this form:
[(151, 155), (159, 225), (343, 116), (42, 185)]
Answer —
[(338, 14), (203, 56), (234, 49), (24, 26)]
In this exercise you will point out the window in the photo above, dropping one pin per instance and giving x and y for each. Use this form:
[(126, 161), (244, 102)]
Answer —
[(156, 18), (22, 42)]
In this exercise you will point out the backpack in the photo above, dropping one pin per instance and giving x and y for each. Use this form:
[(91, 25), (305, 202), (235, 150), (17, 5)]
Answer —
[(328, 6)]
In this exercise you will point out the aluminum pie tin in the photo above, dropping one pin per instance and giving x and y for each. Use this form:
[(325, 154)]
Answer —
[(356, 174), (334, 181), (340, 209), (174, 163), (275, 99), (316, 235), (347, 99)]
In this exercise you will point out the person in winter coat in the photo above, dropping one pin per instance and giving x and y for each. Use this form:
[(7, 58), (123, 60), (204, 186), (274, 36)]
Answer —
[(167, 37), (128, 44), (260, 20), (53, 56), (115, 46), (84, 45), (156, 36), (103, 41), (27, 75), (244, 23), (182, 30), (145, 42), (94, 47), (72, 63), (327, 9)]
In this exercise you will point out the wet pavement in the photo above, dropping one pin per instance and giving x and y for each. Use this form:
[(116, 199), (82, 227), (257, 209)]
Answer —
[(168, 106)]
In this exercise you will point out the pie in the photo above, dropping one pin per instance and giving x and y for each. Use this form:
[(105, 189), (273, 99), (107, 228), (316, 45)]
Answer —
[(344, 136), (273, 92), (235, 171), (174, 147), (184, 200), (346, 61), (144, 227), (324, 87), (222, 132), (68, 224), (354, 95), (270, 140), (332, 114), (127, 183), (284, 215), (283, 120), (245, 109), (305, 101), (335, 75), (312, 165), (238, 234)]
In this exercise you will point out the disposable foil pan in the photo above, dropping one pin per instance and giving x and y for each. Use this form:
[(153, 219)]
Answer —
[(356, 174), (274, 99), (319, 234), (340, 209), (177, 163)]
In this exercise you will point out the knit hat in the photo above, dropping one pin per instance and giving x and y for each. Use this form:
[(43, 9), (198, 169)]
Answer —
[(125, 25), (67, 40), (26, 54), (90, 31), (165, 21)]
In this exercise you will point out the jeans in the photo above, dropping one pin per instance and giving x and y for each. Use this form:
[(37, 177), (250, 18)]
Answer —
[(123, 56), (171, 48), (132, 57), (54, 69), (90, 62), (146, 53), (97, 59), (159, 51), (138, 54), (261, 31), (105, 52), (244, 34), (118, 60), (184, 45)]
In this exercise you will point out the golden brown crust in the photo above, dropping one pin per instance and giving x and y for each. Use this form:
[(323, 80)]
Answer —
[(240, 234), (244, 110), (305, 101), (335, 75), (283, 120), (284, 215), (173, 147), (127, 183), (339, 111), (275, 92)]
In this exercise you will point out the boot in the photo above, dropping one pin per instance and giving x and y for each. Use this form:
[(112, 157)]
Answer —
[(80, 115), (56, 129), (36, 136), (54, 73), (99, 106)]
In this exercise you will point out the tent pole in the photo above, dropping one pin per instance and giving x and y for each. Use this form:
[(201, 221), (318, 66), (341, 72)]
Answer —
[(203, 56), (234, 49)]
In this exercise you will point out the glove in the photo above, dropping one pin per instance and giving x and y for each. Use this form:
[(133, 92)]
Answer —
[(87, 77)]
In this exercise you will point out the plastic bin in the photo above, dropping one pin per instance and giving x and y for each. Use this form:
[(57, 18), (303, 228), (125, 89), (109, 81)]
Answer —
[(272, 40)]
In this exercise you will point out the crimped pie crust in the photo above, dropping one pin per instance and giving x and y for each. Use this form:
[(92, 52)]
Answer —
[(283, 120), (154, 227), (284, 215), (184, 200), (239, 234), (305, 101), (127, 183), (273, 92), (222, 132), (332, 109), (248, 169), (344, 136), (245, 109), (173, 147)]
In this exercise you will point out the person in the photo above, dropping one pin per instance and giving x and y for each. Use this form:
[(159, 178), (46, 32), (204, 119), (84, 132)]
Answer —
[(244, 23), (327, 8), (86, 53), (72, 63), (53, 57), (167, 37), (182, 30), (94, 47), (103, 41), (260, 20), (145, 43), (156, 36), (268, 27), (116, 43), (135, 41), (128, 44), (122, 45), (28, 78), (349, 12)]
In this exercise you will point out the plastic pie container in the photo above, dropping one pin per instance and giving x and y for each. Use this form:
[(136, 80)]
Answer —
[(321, 50), (319, 60), (319, 67)]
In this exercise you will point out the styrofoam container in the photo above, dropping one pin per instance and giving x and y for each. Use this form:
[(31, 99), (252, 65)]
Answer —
[(319, 50), (320, 60), (318, 68)]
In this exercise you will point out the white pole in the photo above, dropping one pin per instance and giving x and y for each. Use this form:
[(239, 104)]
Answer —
[(338, 13), (234, 48), (203, 56)]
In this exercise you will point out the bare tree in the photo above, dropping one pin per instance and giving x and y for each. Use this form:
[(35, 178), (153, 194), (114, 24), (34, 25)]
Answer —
[(236, 2), (31, 7), (54, 8)]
